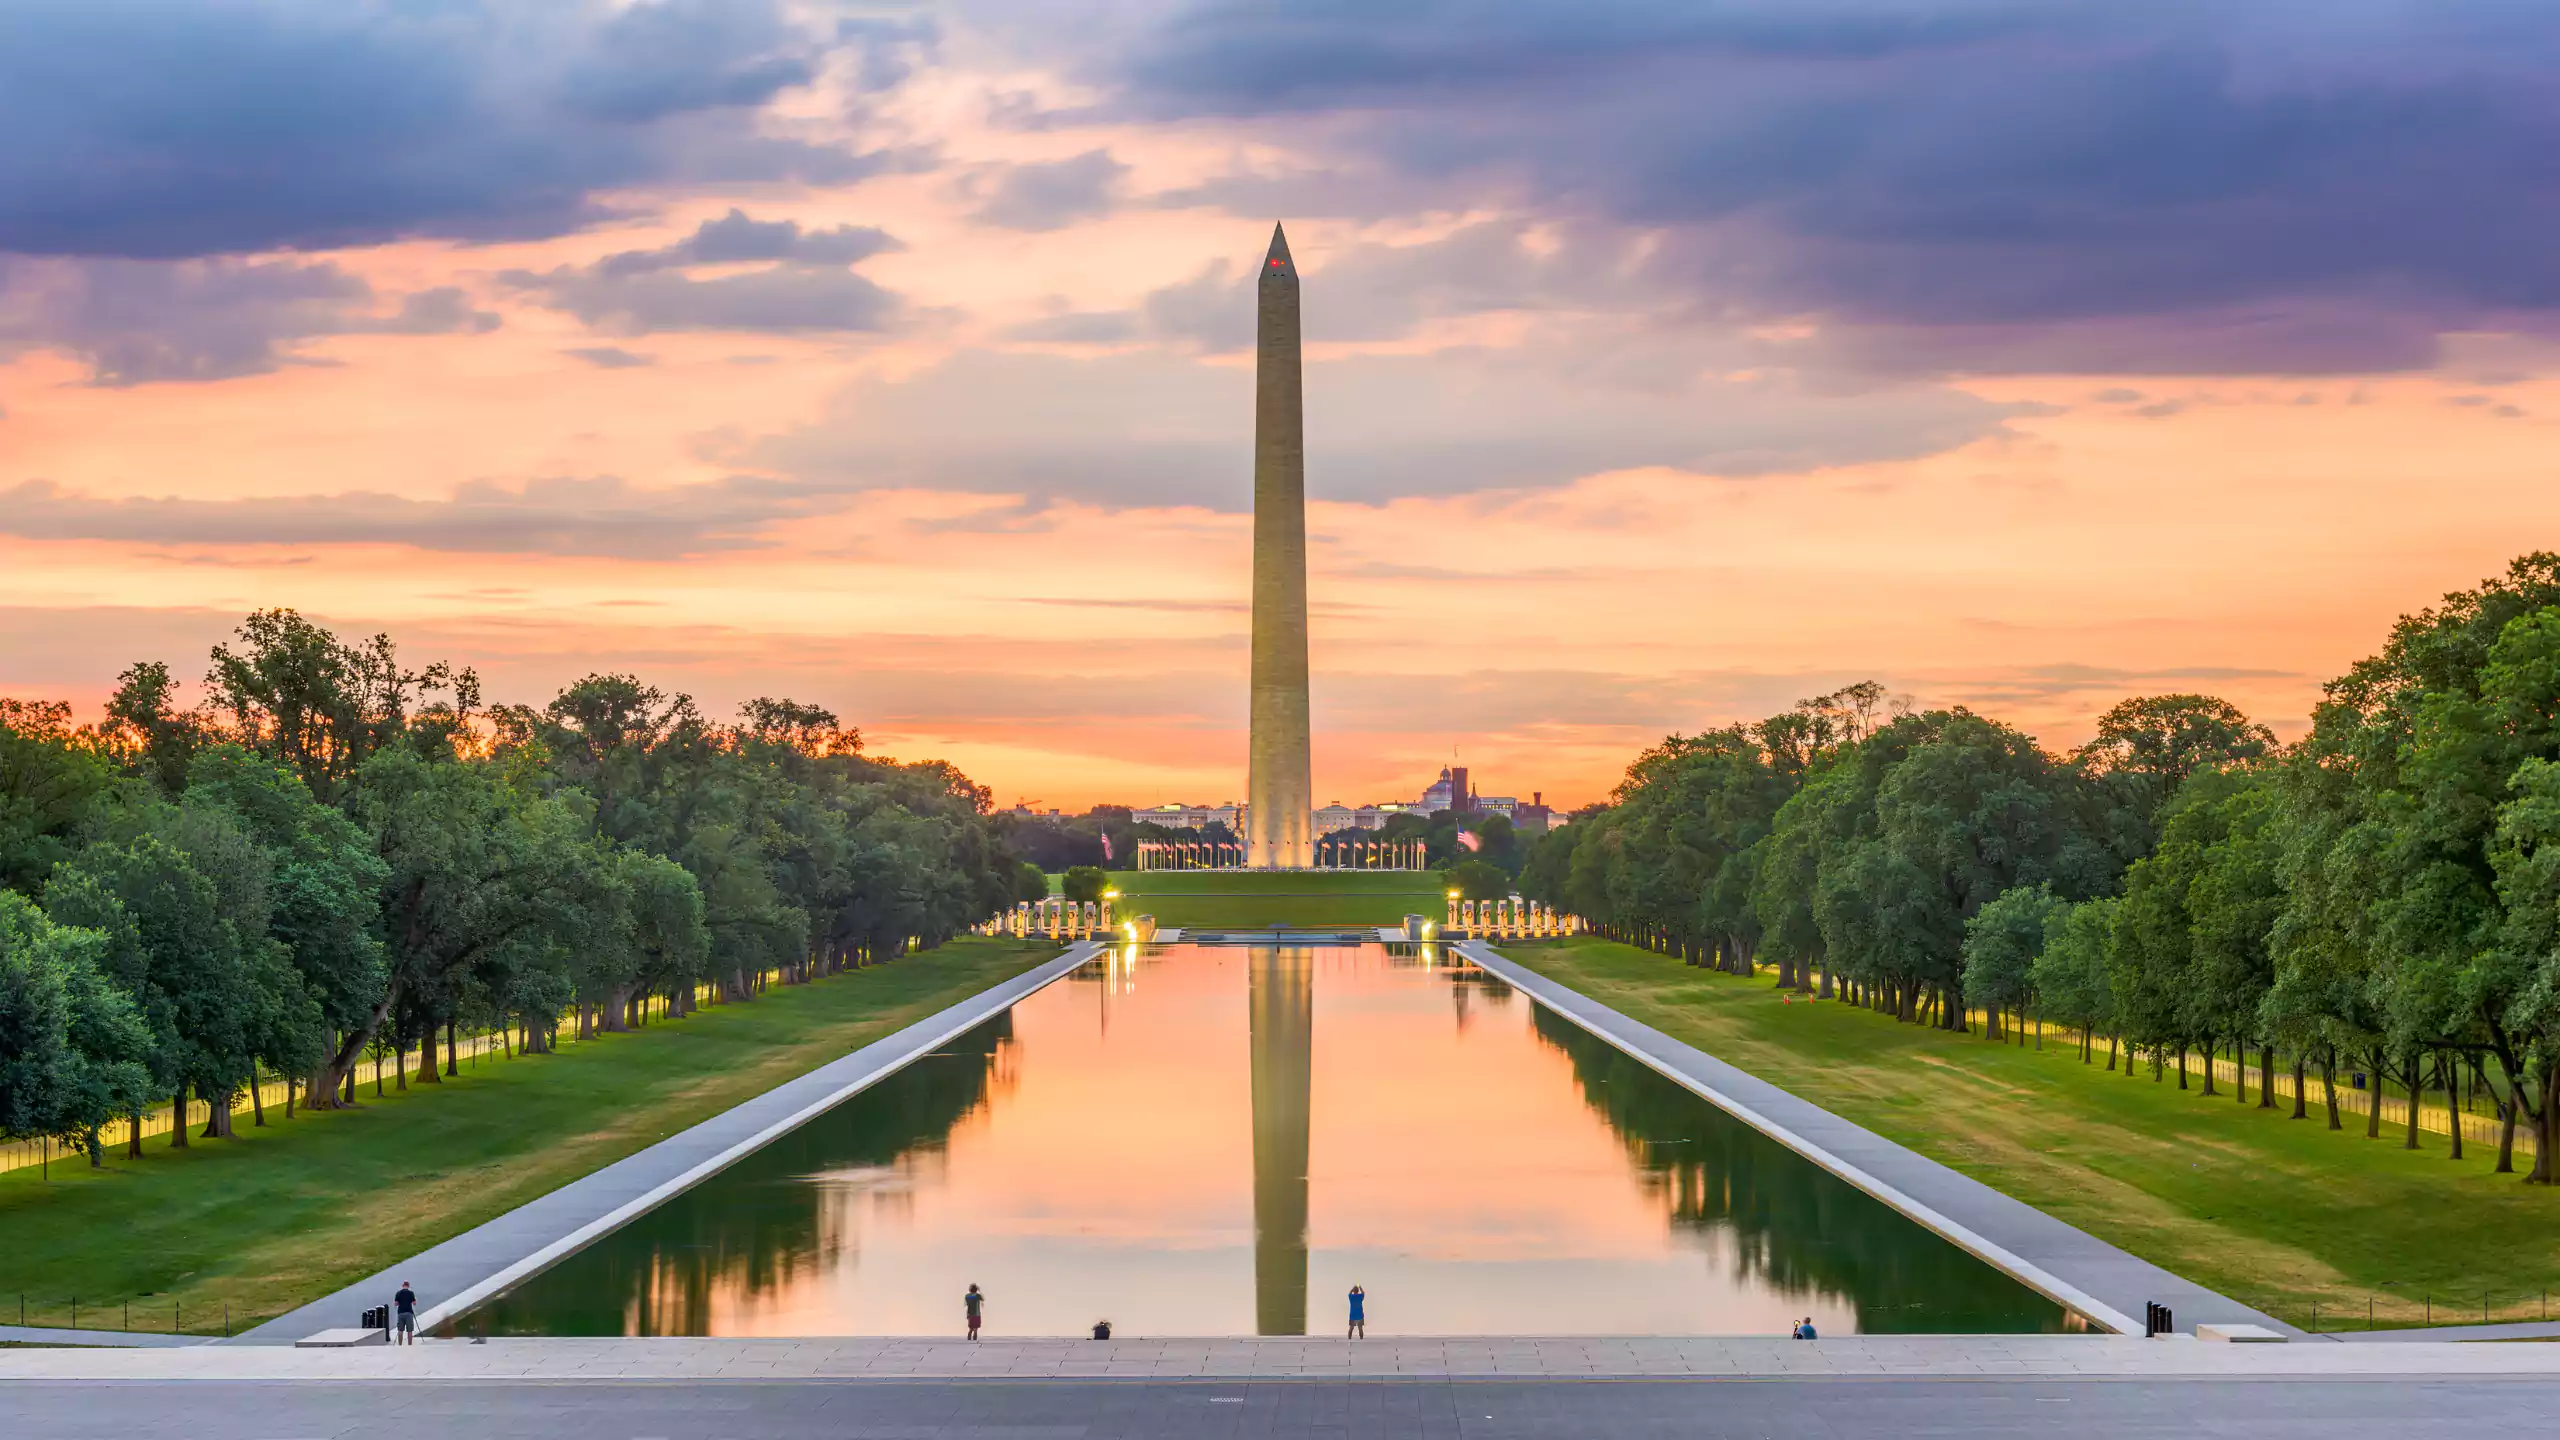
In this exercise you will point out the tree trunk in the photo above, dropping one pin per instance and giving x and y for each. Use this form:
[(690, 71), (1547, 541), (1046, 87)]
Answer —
[(2506, 1115), (2452, 1100), (2300, 1099), (2182, 1067), (257, 1103), (2267, 1075), (178, 1119), (2329, 1084), (2417, 1099), (450, 1049), (2208, 1068), (2373, 1114), (427, 1056), (337, 1071), (133, 1138), (400, 1068), (2546, 1138)]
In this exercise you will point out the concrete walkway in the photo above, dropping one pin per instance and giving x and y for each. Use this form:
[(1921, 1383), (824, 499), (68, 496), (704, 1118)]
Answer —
[(1587, 1358), (485, 1260), (2091, 1276), (110, 1339)]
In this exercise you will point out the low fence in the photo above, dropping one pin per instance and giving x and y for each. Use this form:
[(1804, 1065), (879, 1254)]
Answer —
[(380, 1073), (2407, 1307), (2435, 1117), (129, 1315)]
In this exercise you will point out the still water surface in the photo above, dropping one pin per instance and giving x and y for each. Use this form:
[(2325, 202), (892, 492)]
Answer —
[(1201, 1141)]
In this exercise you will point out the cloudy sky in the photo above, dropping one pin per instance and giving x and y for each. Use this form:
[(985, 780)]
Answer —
[(1668, 359)]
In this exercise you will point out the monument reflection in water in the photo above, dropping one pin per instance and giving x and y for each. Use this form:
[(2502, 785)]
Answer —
[(1200, 1141)]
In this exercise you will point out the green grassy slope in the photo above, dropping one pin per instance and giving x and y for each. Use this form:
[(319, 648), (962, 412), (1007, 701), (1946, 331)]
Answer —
[(2278, 1212), (297, 1210)]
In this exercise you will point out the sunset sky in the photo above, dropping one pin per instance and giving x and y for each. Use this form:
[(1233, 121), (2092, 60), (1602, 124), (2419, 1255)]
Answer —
[(1669, 360)]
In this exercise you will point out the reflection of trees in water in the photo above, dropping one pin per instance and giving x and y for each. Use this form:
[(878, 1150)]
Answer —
[(1470, 987), (792, 1209), (1794, 1226)]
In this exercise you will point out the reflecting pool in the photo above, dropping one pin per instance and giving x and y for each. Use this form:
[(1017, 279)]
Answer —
[(1201, 1141)]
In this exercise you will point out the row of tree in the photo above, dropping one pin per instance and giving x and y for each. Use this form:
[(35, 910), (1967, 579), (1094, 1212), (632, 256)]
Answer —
[(2383, 894), (332, 853)]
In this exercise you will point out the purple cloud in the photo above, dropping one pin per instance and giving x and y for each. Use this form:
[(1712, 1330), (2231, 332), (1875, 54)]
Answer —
[(1972, 184)]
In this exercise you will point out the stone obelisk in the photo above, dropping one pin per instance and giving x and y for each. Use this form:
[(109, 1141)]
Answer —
[(1279, 791)]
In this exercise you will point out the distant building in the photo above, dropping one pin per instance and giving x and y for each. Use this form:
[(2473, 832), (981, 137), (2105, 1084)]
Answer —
[(1337, 817), (1186, 817), (1535, 818), (1449, 792)]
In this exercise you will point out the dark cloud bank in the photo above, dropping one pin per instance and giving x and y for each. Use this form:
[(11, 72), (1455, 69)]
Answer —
[(2292, 185), (150, 129)]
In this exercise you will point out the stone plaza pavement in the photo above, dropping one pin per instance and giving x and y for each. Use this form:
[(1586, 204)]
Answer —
[(2013, 1357)]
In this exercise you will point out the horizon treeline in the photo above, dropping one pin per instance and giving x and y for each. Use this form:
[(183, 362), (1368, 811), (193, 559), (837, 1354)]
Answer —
[(2383, 894), (331, 853)]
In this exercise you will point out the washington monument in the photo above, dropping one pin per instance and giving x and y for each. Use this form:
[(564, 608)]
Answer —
[(1279, 793)]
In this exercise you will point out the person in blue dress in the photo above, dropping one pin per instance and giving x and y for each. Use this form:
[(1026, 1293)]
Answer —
[(1359, 1314)]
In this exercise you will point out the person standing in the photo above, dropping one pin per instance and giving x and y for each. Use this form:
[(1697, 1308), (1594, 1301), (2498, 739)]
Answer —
[(1359, 1314), (404, 1308), (976, 1305)]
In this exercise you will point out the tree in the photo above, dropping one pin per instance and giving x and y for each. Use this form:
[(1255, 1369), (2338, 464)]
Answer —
[(49, 784), (323, 890), (2147, 746), (476, 866), (145, 728), (73, 1054), (2070, 972), (2397, 927), (1687, 814), (1898, 839), (2516, 981), (2193, 963), (1476, 880), (1084, 884), (175, 946), (297, 695), (2002, 943)]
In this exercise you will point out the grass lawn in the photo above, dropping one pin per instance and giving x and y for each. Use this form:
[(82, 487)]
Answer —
[(1244, 897), (2267, 1209), (294, 1211)]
